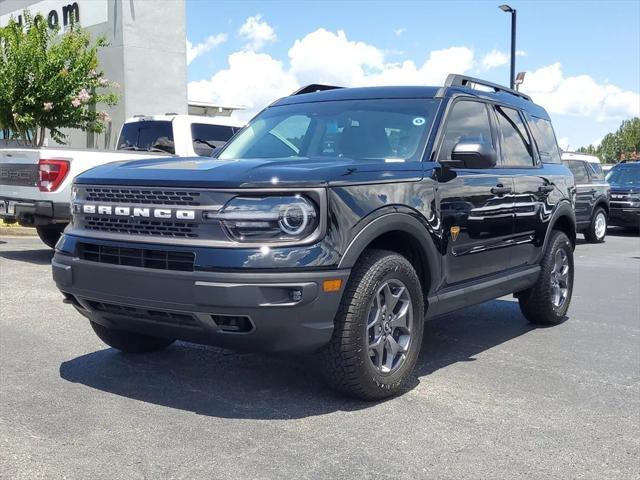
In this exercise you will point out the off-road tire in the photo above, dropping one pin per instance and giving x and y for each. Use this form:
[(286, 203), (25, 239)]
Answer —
[(50, 234), (129, 342), (536, 303), (345, 360), (591, 234)]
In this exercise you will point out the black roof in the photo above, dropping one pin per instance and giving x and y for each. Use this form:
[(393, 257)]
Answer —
[(362, 93)]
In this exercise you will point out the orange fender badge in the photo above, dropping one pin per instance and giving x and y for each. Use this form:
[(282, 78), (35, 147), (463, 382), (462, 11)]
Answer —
[(454, 233)]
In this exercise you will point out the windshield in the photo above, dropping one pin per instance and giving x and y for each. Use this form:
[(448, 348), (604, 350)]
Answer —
[(624, 176), (151, 136), (376, 129)]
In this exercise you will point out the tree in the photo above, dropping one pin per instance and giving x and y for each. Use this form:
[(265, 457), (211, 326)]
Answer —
[(50, 81), (624, 143)]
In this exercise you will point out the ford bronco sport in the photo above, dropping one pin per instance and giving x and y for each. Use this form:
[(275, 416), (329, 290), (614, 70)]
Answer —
[(335, 222)]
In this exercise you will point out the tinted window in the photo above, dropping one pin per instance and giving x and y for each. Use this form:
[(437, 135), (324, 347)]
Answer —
[(208, 137), (147, 135), (579, 171), (467, 121), (374, 129), (596, 171), (626, 175), (516, 144), (545, 139)]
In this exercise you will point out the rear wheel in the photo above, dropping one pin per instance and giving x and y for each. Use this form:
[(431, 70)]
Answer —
[(50, 234), (378, 328), (547, 302), (598, 228), (130, 342)]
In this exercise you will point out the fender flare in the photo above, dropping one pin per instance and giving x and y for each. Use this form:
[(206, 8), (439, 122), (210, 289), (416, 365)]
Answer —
[(601, 201), (390, 222), (563, 209)]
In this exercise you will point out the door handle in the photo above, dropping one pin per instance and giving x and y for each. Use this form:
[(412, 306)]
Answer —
[(546, 188), (500, 190)]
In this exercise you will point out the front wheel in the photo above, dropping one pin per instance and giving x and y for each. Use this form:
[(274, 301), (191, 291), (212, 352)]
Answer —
[(598, 228), (50, 234), (129, 342), (547, 302), (378, 328)]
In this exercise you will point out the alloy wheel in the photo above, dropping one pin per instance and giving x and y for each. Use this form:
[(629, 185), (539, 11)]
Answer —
[(389, 325)]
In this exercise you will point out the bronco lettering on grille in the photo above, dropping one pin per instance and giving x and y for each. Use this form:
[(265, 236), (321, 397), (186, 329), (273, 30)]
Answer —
[(133, 212)]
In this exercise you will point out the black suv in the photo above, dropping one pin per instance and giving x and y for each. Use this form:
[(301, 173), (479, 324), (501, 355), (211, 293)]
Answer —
[(624, 179), (592, 195), (335, 222)]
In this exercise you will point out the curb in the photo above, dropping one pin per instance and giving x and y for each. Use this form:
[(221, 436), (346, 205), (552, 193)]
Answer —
[(18, 232)]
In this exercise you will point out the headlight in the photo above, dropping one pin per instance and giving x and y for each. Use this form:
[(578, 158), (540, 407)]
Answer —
[(269, 219)]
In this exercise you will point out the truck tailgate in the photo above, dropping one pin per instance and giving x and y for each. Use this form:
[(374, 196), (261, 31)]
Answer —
[(19, 173)]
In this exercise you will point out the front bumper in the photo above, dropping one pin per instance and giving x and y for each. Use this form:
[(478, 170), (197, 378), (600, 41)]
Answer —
[(277, 312), (624, 217), (34, 212)]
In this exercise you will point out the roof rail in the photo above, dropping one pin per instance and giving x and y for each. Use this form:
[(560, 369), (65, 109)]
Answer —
[(314, 87), (455, 80)]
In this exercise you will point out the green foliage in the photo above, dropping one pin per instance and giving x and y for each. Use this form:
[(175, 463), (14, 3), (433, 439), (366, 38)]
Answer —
[(624, 143), (50, 81)]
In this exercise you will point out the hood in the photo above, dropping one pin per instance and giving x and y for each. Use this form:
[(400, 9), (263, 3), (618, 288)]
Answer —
[(624, 188), (249, 173)]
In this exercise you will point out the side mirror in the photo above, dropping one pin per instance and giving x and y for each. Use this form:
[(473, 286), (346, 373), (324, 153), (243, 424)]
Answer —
[(473, 154)]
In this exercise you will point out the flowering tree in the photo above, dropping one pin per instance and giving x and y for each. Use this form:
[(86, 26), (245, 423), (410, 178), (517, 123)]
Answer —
[(50, 81)]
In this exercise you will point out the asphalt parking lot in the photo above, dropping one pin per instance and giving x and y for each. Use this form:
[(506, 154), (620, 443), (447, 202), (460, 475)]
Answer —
[(494, 397)]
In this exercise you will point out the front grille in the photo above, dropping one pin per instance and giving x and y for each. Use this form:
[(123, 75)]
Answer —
[(137, 257), (158, 316), (132, 226), (146, 196)]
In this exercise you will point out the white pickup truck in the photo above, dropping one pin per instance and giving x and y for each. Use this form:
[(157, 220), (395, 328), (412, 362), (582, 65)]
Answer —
[(35, 183)]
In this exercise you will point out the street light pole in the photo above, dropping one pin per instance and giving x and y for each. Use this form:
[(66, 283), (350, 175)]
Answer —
[(512, 11)]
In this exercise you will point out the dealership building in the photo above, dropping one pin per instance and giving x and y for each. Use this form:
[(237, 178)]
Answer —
[(146, 55)]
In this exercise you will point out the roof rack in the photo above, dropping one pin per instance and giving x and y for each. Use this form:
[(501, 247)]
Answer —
[(455, 80), (314, 87)]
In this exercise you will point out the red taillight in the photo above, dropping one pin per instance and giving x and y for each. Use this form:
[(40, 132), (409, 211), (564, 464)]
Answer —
[(51, 173)]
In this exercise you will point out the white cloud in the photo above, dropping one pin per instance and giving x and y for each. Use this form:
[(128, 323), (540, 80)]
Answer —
[(399, 31), (580, 95), (256, 79), (195, 51), (495, 58), (328, 57), (252, 79), (257, 33)]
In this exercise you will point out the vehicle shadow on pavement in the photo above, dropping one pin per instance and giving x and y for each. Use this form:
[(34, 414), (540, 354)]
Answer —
[(36, 257), (622, 232), (216, 382)]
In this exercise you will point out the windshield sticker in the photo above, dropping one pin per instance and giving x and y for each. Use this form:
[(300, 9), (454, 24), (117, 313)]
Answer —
[(418, 121)]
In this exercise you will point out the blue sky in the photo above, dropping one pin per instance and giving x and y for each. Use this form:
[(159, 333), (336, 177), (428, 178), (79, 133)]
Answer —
[(583, 57)]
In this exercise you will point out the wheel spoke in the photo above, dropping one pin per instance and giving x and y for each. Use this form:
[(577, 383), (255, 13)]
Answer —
[(390, 300), (377, 347), (374, 313), (400, 319)]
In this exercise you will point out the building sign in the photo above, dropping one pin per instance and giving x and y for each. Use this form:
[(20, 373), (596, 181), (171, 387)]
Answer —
[(62, 13)]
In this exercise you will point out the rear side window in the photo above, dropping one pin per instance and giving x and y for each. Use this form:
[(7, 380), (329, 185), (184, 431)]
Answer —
[(545, 139), (467, 121), (153, 135), (579, 171), (516, 144), (207, 137), (596, 171)]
